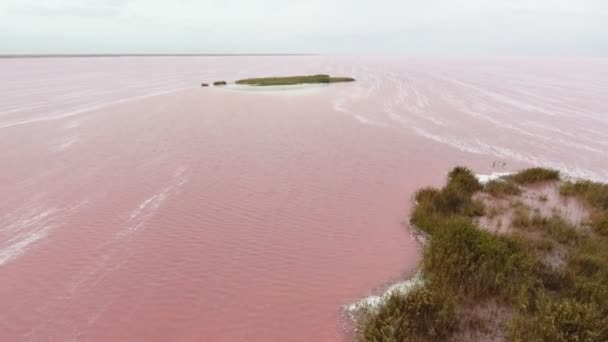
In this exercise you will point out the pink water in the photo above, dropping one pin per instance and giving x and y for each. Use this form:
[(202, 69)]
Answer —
[(137, 206)]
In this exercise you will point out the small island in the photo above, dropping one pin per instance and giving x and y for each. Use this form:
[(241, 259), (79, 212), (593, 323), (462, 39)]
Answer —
[(519, 257), (293, 80), (219, 83)]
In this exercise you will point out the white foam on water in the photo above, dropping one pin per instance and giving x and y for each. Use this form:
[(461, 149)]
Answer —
[(375, 302), (566, 170), (145, 210), (456, 143), (151, 203), (23, 230), (72, 124), (30, 226), (58, 115), (479, 147), (31, 219), (296, 89), (338, 105), (139, 216), (19, 244), (66, 143), (366, 121), (484, 179)]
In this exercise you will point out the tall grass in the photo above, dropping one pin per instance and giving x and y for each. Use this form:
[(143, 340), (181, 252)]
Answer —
[(535, 175), (425, 314), (502, 188), (434, 206), (476, 263), (560, 320), (595, 196)]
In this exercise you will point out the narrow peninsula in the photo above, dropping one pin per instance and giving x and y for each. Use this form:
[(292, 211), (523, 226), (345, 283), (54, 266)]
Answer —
[(522, 257), (293, 80)]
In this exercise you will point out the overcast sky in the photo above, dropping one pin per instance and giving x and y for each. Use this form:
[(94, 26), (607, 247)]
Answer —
[(419, 27)]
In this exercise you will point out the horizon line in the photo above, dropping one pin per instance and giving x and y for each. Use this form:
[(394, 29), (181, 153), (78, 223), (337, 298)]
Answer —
[(81, 55)]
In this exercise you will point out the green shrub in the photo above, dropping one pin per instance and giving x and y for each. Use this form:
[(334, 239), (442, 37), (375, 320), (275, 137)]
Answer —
[(476, 263), (593, 194), (455, 199), (586, 265), (554, 280), (462, 180), (561, 320), (535, 175), (599, 222), (421, 315), (588, 261), (557, 228), (554, 227), (521, 217), (434, 206), (500, 188), (542, 245), (427, 213)]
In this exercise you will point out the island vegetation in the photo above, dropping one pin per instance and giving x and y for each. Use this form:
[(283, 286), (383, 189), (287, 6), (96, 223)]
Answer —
[(219, 83), (293, 80), (497, 267)]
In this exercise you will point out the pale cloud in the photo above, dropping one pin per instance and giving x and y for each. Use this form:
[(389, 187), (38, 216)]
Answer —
[(68, 8), (353, 26)]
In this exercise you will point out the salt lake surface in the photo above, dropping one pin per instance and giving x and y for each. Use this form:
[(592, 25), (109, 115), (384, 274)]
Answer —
[(135, 205)]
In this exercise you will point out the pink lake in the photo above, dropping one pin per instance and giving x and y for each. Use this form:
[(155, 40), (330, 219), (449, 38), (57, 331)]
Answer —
[(137, 206)]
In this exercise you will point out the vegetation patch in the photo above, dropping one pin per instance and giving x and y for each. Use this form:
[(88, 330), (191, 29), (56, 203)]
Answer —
[(599, 222), (425, 314), (293, 80), (470, 262), (535, 175), (435, 206), (219, 83), (502, 188), (564, 319), (595, 196), (465, 267)]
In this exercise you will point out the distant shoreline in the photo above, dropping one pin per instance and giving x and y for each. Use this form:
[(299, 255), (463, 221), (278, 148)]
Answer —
[(152, 55)]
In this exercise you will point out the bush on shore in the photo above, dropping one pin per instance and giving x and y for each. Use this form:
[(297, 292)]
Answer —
[(425, 314), (434, 206), (472, 262), (535, 175)]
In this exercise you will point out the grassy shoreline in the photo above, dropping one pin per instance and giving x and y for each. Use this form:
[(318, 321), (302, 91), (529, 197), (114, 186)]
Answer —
[(293, 80), (481, 284)]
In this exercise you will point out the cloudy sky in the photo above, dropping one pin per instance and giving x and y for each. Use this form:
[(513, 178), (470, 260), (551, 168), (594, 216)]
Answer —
[(419, 27)]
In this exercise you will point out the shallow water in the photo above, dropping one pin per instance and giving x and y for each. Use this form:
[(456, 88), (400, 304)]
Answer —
[(138, 206)]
